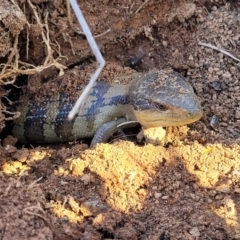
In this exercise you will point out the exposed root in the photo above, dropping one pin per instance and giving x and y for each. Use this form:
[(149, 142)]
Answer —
[(34, 183), (31, 211), (27, 44), (69, 15), (45, 36), (15, 115), (3, 109), (10, 73), (101, 34), (14, 67), (14, 53)]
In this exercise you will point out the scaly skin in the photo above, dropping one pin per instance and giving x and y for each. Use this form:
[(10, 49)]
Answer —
[(157, 98)]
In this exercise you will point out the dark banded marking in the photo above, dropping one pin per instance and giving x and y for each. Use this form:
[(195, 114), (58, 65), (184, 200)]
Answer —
[(98, 92), (35, 119), (101, 101), (63, 127)]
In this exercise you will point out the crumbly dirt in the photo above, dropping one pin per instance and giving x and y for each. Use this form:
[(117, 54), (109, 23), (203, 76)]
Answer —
[(187, 189)]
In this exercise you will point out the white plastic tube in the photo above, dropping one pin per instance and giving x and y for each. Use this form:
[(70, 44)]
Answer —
[(96, 52)]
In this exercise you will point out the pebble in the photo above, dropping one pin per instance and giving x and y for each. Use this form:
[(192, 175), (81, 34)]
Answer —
[(157, 195), (237, 113), (165, 43), (165, 197), (237, 190), (223, 188), (195, 232), (227, 75), (210, 70), (85, 179)]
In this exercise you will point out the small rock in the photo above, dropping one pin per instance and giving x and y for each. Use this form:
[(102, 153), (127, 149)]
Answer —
[(214, 121), (210, 70), (195, 232), (209, 200), (165, 43), (237, 113), (157, 195), (127, 232), (63, 182), (190, 58), (223, 188), (227, 75), (155, 136), (93, 206), (165, 197), (237, 190), (86, 179)]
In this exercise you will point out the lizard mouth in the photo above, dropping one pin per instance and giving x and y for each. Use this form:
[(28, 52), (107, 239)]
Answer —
[(151, 118)]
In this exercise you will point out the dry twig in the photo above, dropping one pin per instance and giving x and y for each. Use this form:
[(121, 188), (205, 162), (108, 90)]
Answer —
[(141, 7), (34, 183), (218, 49)]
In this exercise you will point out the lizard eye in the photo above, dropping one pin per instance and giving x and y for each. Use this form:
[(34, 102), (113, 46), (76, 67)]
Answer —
[(160, 107)]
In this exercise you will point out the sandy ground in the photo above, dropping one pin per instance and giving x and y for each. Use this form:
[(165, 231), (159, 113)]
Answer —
[(187, 189)]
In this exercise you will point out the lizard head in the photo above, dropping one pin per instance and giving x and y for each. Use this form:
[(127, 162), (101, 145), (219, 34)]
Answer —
[(164, 98)]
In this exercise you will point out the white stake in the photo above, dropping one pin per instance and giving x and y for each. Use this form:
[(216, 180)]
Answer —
[(96, 52)]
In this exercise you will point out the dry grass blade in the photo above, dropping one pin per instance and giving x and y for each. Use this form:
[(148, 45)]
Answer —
[(218, 49)]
